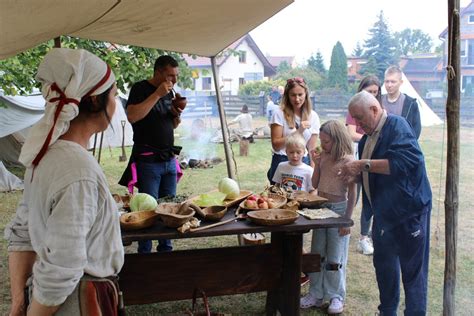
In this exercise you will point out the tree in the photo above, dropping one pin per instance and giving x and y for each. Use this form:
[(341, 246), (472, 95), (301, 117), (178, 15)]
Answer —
[(316, 63), (129, 63), (337, 76), (313, 80), (370, 68), (411, 41), (358, 51), (380, 46), (283, 67)]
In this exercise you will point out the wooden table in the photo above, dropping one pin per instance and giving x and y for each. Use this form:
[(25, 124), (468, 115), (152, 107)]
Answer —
[(273, 267)]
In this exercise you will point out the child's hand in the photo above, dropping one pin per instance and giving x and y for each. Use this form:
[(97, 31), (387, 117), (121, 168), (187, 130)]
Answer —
[(343, 231), (316, 154)]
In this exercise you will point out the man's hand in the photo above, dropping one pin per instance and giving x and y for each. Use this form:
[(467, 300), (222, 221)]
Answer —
[(175, 111), (350, 171), (164, 88)]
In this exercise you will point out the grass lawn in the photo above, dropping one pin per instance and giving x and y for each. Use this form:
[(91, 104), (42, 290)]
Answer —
[(362, 293)]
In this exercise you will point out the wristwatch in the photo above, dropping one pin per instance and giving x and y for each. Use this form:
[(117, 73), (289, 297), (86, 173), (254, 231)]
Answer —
[(367, 166)]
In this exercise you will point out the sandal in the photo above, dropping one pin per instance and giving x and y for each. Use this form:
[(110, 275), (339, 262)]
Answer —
[(309, 300)]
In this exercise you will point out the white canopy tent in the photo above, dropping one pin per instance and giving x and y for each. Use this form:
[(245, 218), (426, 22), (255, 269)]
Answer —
[(203, 28)]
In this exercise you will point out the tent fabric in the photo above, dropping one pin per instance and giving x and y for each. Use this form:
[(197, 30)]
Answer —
[(19, 112), (427, 116), (203, 27), (10, 147), (113, 134), (8, 181)]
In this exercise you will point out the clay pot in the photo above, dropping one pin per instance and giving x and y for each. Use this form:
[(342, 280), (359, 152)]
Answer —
[(179, 101)]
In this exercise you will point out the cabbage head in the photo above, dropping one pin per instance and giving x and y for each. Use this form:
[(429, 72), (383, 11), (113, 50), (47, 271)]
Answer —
[(142, 202), (230, 188)]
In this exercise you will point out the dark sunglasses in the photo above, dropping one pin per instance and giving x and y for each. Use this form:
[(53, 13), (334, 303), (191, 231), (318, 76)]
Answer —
[(297, 80)]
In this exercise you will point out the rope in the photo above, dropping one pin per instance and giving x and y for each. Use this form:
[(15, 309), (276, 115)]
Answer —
[(450, 73)]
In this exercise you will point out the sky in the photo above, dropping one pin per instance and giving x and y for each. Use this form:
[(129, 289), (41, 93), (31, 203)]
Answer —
[(306, 26)]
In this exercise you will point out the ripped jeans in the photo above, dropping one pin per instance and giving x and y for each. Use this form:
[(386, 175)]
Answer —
[(330, 282)]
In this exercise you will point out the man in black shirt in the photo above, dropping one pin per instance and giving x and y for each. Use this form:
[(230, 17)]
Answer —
[(152, 166)]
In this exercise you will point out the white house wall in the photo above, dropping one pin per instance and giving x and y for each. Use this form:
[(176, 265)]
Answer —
[(231, 70)]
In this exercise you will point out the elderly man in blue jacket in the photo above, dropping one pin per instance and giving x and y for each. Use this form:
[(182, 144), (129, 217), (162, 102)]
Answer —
[(397, 192)]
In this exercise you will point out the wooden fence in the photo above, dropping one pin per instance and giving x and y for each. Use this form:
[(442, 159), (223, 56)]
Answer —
[(327, 106)]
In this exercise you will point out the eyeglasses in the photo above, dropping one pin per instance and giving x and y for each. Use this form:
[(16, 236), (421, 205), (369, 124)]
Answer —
[(297, 80)]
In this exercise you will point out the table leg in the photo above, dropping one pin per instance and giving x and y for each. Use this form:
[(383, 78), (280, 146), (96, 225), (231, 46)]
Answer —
[(286, 297), (291, 287)]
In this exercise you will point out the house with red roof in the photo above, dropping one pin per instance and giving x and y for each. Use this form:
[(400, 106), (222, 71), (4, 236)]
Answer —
[(241, 62), (467, 46)]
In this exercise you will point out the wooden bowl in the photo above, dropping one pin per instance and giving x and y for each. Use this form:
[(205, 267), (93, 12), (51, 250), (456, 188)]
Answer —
[(272, 217), (138, 220), (214, 213), (279, 201), (174, 214), (307, 200)]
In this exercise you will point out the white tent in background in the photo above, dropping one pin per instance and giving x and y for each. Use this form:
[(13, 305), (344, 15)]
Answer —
[(113, 134), (18, 113), (428, 117), (8, 181)]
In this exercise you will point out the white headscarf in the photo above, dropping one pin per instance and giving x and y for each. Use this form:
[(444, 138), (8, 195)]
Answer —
[(67, 75)]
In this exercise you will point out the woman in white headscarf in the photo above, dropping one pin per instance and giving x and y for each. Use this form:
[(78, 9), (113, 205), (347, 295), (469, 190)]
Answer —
[(65, 236)]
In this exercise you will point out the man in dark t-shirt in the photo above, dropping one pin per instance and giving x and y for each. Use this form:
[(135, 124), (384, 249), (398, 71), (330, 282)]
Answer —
[(153, 118)]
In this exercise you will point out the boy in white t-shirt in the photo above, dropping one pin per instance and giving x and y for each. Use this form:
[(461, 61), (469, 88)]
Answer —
[(294, 175)]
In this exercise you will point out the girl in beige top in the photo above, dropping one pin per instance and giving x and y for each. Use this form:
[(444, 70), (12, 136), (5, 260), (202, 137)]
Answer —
[(331, 243)]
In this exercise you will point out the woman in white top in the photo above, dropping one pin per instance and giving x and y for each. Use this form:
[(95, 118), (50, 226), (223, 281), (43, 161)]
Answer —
[(296, 114), (66, 230)]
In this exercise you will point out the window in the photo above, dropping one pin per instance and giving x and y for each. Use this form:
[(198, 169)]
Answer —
[(253, 76), (470, 19), (242, 57), (463, 48), (470, 52), (467, 81), (241, 81), (206, 83)]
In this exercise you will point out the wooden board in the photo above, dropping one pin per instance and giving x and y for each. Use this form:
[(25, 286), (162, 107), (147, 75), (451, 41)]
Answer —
[(227, 203)]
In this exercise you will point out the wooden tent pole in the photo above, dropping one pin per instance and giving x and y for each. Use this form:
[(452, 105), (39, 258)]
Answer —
[(224, 128), (451, 202), (57, 42)]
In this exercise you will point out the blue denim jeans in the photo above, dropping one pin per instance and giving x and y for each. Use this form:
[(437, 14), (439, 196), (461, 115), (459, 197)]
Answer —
[(159, 180), (276, 159), (403, 250), (330, 282)]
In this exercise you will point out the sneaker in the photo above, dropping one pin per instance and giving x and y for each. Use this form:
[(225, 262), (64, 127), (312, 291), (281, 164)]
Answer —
[(309, 300), (336, 306), (364, 246)]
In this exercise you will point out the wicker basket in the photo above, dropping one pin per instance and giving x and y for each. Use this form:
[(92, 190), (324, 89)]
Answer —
[(214, 213), (253, 239), (307, 200), (273, 217), (138, 220), (174, 214)]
